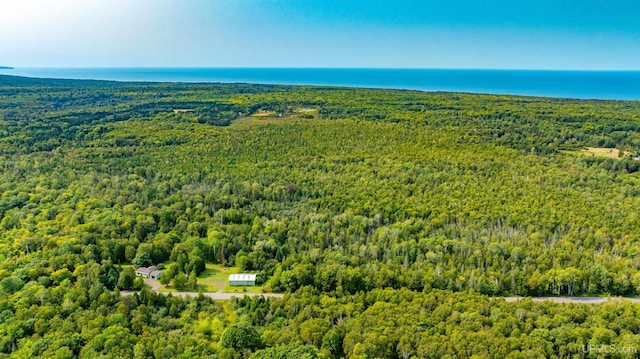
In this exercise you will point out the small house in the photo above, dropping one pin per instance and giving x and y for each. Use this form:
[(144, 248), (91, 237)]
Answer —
[(148, 272), (242, 279)]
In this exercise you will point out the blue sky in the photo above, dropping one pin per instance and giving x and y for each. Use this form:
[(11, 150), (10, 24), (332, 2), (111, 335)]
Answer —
[(535, 34)]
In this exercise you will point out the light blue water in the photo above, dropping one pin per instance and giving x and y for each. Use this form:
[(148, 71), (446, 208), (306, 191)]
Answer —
[(616, 85)]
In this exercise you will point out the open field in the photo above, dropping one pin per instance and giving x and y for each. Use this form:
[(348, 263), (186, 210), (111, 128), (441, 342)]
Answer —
[(215, 277), (182, 110), (262, 113), (604, 152)]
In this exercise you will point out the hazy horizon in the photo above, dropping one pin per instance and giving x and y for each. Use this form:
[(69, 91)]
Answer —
[(312, 68)]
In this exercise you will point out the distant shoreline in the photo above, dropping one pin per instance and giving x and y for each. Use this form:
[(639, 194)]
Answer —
[(598, 85), (6, 68)]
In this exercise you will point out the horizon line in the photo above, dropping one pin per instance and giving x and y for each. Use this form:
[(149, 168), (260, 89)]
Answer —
[(7, 67)]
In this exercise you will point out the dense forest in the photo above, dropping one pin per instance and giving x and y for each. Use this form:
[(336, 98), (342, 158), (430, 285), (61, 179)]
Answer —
[(389, 219)]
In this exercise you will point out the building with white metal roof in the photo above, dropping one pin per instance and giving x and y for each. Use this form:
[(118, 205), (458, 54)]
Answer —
[(242, 279)]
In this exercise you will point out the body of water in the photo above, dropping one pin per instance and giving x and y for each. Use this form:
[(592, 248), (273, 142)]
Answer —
[(612, 85)]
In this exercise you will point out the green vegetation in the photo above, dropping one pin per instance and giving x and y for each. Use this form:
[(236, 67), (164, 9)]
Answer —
[(389, 217), (244, 289), (215, 277)]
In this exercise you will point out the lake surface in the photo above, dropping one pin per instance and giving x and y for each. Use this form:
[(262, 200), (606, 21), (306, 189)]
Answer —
[(613, 85)]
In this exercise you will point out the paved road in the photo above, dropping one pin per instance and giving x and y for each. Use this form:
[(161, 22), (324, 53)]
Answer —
[(155, 286), (579, 300)]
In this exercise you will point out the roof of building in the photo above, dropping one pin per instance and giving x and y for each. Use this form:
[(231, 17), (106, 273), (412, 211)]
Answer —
[(242, 277), (147, 270)]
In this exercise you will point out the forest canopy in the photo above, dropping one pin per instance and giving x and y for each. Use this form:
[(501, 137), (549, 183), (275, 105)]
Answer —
[(369, 208)]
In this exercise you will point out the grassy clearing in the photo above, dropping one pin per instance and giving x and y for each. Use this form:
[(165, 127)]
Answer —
[(262, 113), (212, 279), (604, 152), (215, 277), (306, 110), (166, 289), (182, 110), (209, 288)]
